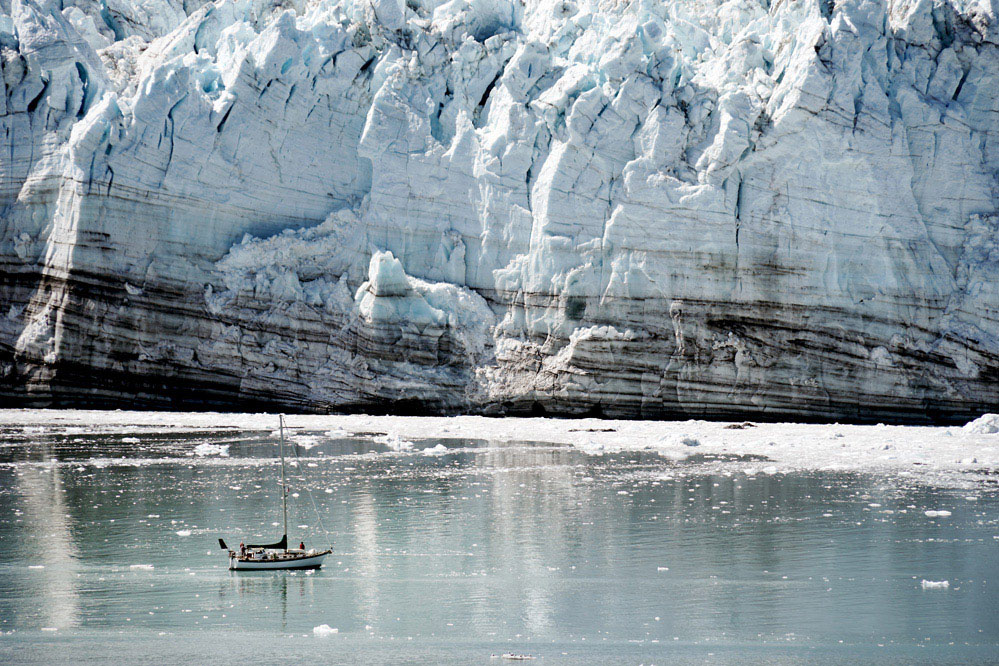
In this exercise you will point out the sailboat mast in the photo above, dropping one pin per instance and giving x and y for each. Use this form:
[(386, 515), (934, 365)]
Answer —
[(284, 488)]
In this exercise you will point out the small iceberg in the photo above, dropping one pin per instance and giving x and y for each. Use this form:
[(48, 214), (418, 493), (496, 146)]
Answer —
[(394, 442), (221, 450), (184, 533), (935, 584), (141, 567), (936, 513), (987, 424), (325, 630)]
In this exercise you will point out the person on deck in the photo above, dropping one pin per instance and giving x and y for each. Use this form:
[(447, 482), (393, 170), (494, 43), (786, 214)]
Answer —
[(242, 549), (301, 545)]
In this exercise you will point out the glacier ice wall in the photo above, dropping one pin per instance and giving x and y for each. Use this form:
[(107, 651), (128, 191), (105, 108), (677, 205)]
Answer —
[(658, 208)]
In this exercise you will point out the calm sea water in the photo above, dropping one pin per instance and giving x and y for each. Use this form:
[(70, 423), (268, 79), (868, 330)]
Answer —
[(108, 552)]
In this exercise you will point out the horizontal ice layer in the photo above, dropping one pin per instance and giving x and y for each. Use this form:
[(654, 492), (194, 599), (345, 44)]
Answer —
[(944, 456), (656, 209)]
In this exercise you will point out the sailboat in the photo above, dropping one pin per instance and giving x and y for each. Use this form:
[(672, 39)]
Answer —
[(271, 556)]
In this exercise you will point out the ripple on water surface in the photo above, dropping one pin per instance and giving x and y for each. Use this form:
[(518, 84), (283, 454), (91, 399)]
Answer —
[(450, 550)]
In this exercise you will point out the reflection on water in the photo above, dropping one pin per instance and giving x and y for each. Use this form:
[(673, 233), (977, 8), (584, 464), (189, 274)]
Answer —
[(483, 548), (47, 536)]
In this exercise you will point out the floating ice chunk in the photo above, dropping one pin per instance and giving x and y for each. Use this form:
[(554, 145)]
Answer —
[(325, 630), (221, 450), (593, 448), (306, 441), (142, 567), (394, 442), (130, 440), (50, 628), (935, 584), (936, 513), (987, 424), (435, 450), (36, 566), (184, 533)]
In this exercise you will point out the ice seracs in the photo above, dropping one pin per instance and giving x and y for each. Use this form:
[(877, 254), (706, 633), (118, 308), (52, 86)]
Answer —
[(655, 209)]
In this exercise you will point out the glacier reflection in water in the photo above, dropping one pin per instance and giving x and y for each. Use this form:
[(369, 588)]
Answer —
[(458, 549)]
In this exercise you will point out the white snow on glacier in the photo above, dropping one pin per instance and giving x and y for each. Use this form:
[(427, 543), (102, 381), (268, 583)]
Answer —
[(779, 208)]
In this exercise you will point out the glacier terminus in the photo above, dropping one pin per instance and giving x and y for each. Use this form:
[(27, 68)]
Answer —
[(771, 209)]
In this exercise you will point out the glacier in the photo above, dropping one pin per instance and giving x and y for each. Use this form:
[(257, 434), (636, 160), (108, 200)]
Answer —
[(777, 209)]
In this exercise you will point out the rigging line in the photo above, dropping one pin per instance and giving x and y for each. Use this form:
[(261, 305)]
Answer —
[(312, 498)]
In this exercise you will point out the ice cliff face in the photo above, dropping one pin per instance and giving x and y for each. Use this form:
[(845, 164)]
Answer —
[(783, 208)]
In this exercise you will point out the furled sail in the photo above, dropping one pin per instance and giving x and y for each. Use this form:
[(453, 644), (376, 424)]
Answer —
[(280, 545)]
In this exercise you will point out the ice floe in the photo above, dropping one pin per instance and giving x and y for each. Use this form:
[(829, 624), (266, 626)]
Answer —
[(206, 449), (936, 513)]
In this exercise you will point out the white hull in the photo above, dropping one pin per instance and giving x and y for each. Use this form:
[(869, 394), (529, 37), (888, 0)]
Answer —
[(305, 562)]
